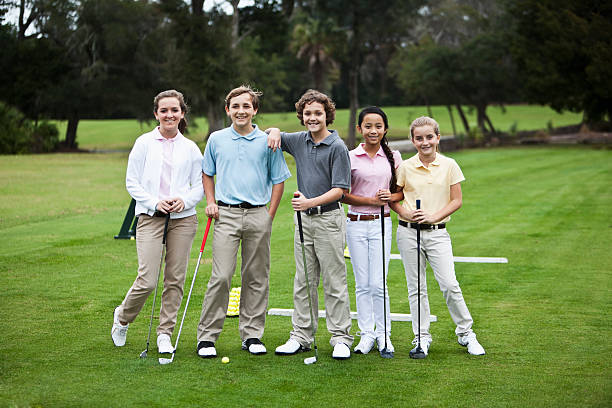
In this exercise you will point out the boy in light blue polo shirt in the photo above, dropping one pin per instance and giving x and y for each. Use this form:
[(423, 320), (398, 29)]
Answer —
[(249, 175)]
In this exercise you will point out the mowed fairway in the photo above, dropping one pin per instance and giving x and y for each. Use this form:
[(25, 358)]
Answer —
[(544, 318)]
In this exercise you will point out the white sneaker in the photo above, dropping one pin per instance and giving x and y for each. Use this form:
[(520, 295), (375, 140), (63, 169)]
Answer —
[(255, 346), (341, 351), (289, 348), (119, 331), (365, 345), (425, 343), (164, 344), (206, 349), (472, 344), (381, 344)]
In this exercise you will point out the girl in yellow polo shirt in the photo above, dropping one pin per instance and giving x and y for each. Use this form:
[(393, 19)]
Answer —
[(435, 180)]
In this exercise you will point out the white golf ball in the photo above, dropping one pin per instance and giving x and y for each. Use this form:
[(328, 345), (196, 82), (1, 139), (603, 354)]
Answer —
[(225, 360)]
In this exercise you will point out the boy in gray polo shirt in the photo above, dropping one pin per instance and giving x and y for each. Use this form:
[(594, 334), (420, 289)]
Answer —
[(323, 176)]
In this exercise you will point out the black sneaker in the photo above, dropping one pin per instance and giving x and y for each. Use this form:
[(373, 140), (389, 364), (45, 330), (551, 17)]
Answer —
[(254, 346), (206, 349)]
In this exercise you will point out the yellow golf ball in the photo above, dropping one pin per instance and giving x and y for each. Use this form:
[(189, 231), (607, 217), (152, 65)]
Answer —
[(132, 238), (225, 360)]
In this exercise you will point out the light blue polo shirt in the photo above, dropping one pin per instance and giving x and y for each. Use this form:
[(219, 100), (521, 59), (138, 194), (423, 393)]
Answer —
[(245, 167)]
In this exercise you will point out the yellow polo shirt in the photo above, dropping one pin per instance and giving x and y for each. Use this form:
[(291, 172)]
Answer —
[(429, 184)]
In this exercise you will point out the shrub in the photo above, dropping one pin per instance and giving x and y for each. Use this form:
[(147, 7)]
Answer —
[(19, 135)]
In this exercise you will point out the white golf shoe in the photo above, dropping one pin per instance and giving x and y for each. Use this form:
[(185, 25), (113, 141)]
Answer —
[(425, 344), (381, 344), (119, 331), (206, 349), (365, 345), (473, 346), (341, 351), (289, 348), (164, 344), (254, 346)]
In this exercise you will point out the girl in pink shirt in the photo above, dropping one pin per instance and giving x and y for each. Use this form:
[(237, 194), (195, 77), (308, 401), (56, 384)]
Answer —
[(373, 181)]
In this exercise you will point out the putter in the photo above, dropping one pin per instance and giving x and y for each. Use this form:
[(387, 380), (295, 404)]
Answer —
[(385, 352), (161, 262), (418, 352), (308, 360), (178, 336)]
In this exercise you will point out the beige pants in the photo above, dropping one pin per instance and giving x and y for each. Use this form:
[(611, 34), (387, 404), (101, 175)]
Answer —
[(149, 234), (249, 229), (437, 249), (324, 240)]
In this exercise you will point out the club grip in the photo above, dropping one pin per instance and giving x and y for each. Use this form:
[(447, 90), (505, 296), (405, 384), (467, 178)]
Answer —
[(418, 204), (299, 218), (166, 228), (205, 234)]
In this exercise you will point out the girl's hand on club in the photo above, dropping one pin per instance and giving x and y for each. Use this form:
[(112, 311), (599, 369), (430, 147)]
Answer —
[(299, 202), (212, 211), (383, 196), (177, 205), (164, 206), (422, 217)]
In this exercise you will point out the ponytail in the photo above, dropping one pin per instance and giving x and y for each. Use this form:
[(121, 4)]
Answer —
[(391, 160)]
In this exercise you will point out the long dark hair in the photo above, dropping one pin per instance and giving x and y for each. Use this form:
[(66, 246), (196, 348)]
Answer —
[(383, 143)]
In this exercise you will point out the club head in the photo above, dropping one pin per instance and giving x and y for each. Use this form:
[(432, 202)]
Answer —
[(310, 360), (143, 354), (164, 361), (386, 353), (417, 353)]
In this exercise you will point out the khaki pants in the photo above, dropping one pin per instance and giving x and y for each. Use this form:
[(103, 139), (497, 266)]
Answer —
[(437, 249), (324, 240), (251, 228), (149, 235)]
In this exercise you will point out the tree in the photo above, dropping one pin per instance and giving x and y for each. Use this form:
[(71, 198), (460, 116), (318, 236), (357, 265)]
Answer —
[(564, 53)]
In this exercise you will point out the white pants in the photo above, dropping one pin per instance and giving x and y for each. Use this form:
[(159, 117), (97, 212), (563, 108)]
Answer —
[(437, 249), (365, 246)]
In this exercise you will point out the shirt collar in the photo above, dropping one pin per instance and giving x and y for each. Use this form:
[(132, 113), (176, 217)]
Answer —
[(327, 141), (158, 136), (418, 163), (250, 136), (360, 151)]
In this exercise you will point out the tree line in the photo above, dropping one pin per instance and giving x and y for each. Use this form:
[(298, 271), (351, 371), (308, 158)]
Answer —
[(76, 59)]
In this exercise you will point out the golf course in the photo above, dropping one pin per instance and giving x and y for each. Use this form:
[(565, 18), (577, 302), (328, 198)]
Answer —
[(543, 317)]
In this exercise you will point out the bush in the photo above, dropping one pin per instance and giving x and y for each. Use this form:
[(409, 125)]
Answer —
[(19, 135)]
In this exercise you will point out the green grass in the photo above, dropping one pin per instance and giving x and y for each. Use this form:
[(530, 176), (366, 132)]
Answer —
[(543, 317), (121, 134)]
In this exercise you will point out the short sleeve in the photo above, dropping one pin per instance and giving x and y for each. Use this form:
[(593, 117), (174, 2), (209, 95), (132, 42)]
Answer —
[(208, 161), (456, 175)]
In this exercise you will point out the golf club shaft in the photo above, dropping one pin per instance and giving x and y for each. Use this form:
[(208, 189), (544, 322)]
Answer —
[(384, 280), (418, 232), (161, 262), (195, 274), (312, 317)]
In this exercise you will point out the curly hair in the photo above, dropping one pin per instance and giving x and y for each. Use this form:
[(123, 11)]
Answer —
[(173, 93), (244, 89), (311, 96)]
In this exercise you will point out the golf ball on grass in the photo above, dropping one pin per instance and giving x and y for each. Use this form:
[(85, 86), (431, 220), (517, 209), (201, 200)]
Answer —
[(225, 360)]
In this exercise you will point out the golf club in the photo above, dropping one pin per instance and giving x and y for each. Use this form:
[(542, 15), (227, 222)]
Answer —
[(308, 360), (178, 336), (161, 262), (385, 352), (418, 352)]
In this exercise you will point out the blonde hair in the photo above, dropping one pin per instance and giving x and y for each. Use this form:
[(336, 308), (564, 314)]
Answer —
[(425, 121), (244, 89)]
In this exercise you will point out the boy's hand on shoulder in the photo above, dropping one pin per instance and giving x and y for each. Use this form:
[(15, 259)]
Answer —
[(274, 138)]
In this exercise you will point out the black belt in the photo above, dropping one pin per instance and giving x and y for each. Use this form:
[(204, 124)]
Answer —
[(244, 205), (320, 209), (422, 226)]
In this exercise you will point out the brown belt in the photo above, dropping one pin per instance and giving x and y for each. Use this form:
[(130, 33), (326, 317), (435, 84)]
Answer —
[(364, 217)]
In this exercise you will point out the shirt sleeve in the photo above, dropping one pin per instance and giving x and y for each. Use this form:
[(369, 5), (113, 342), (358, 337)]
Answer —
[(134, 175), (289, 140), (279, 171), (340, 167), (209, 165), (401, 175), (456, 175), (196, 190)]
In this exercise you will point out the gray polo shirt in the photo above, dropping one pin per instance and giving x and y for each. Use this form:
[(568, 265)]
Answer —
[(321, 166)]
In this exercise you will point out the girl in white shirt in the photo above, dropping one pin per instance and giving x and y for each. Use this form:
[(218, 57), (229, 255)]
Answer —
[(164, 176)]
